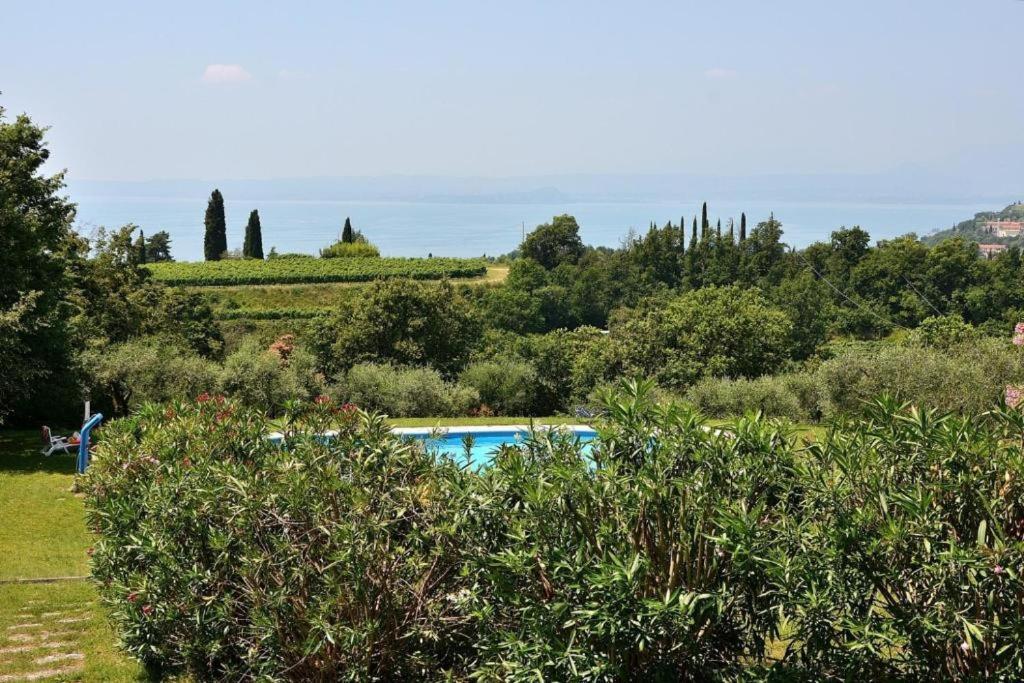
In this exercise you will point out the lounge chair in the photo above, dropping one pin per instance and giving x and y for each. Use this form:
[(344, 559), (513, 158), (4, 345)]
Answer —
[(52, 444)]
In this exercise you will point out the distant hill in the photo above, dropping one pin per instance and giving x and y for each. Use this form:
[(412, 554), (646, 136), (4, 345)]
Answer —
[(972, 229)]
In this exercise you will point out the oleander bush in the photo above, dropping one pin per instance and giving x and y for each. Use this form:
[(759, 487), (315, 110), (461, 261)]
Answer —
[(890, 549)]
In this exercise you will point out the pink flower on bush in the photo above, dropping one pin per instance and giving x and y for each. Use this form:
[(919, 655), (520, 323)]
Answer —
[(219, 399), (1018, 334), (147, 609), (321, 400), (203, 397), (1013, 396), (133, 596), (998, 569)]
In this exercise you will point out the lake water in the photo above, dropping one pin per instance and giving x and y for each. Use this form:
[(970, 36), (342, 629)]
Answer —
[(468, 229)]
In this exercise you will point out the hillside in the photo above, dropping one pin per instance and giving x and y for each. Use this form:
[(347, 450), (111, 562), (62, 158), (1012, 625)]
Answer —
[(971, 228)]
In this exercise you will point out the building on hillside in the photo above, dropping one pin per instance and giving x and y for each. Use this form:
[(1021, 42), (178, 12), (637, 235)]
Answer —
[(1002, 228), (990, 250)]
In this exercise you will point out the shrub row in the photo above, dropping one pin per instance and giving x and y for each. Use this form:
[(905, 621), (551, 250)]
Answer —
[(890, 550), (269, 313), (295, 271), (965, 378)]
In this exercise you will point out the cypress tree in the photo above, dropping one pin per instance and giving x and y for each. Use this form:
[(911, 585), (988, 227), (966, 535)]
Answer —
[(253, 245), (732, 233), (718, 230), (215, 242), (142, 246), (704, 225), (347, 236), (693, 235), (743, 227)]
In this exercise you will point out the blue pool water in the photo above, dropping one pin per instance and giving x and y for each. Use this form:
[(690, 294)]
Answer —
[(485, 443)]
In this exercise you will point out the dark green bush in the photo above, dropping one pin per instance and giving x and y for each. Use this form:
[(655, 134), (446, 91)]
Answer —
[(404, 391), (231, 557), (794, 396), (891, 549), (507, 386)]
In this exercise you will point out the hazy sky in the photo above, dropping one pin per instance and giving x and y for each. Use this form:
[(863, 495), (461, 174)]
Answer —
[(185, 89)]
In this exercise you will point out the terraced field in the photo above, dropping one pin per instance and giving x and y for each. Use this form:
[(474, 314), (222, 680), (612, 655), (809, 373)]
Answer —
[(312, 270)]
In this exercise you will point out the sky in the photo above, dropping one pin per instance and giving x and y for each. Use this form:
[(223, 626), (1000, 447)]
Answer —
[(259, 90)]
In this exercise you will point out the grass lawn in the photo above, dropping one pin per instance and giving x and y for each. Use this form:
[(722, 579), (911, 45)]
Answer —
[(56, 630)]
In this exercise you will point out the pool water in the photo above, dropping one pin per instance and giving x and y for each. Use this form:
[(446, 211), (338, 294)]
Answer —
[(485, 440)]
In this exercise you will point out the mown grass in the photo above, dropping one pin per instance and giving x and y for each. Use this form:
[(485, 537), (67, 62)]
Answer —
[(55, 627)]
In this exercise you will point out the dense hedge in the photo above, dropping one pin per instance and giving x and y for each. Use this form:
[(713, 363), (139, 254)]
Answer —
[(890, 550), (269, 313), (296, 271)]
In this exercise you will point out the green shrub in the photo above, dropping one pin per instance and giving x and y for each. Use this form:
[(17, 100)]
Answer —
[(888, 550), (969, 377), (714, 331), (917, 527), (259, 378), (350, 250), (404, 392), (146, 370), (793, 396), (509, 387), (235, 559)]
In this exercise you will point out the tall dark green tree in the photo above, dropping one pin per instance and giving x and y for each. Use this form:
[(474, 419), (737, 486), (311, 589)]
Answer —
[(215, 242), (253, 245), (158, 247), (347, 234), (140, 247), (743, 227), (704, 225), (39, 253)]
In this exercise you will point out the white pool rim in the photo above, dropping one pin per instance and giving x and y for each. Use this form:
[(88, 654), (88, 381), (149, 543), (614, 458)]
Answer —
[(468, 429), (486, 429)]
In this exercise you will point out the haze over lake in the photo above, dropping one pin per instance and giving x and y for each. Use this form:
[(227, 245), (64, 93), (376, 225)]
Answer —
[(457, 228)]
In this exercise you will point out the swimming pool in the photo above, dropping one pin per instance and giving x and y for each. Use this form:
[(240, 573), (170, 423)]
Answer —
[(486, 440)]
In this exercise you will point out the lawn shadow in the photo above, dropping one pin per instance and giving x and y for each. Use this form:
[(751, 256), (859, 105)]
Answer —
[(19, 454)]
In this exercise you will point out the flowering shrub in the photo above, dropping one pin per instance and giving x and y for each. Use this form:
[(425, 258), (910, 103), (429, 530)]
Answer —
[(224, 554), (891, 549)]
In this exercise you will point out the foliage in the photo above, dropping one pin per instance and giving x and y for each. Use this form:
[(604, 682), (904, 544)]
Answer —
[(145, 370), (257, 377), (506, 386), (888, 550), (794, 396), (361, 249), (37, 253), (252, 247), (321, 561), (714, 331), (398, 321), (404, 392), (916, 521), (282, 270), (215, 239), (942, 332), (554, 243), (269, 313), (966, 378)]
